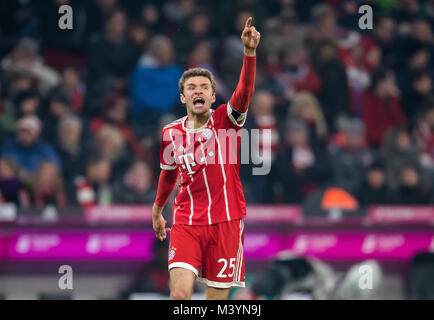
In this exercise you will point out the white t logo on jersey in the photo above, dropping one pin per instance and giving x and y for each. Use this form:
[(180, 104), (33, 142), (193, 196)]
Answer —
[(186, 164)]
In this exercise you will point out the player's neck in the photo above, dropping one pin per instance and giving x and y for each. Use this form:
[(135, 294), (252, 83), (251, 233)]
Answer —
[(196, 121)]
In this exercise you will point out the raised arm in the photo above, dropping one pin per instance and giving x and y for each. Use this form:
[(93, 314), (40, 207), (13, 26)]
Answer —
[(240, 99)]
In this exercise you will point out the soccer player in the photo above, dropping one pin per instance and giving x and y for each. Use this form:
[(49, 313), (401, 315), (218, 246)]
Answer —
[(207, 235)]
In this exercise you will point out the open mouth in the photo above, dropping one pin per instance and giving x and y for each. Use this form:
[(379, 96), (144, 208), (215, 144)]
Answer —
[(198, 101)]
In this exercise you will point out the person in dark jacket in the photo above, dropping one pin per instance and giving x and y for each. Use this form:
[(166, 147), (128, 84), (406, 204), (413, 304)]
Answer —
[(301, 167), (73, 149), (374, 189), (382, 108), (411, 190), (136, 185)]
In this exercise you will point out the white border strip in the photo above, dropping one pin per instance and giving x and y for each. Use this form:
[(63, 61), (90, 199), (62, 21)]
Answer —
[(223, 171), (184, 265), (222, 285), (206, 183), (243, 116)]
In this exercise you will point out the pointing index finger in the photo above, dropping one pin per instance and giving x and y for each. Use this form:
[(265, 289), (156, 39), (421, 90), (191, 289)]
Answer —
[(248, 22)]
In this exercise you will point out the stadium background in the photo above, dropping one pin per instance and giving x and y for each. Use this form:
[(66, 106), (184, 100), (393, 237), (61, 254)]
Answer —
[(351, 113)]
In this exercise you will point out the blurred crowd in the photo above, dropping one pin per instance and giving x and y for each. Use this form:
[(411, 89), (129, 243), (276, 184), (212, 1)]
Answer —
[(81, 110)]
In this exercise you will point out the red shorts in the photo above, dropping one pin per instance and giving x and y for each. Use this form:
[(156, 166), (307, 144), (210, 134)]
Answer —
[(213, 252)]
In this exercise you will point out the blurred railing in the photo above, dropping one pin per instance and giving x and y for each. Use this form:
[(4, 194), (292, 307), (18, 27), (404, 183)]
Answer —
[(124, 233)]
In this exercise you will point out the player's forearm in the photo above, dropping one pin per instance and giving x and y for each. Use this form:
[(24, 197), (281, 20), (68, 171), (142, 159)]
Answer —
[(166, 184), (240, 100)]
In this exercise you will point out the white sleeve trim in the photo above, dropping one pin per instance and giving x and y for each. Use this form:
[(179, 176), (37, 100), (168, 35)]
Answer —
[(166, 167), (242, 117)]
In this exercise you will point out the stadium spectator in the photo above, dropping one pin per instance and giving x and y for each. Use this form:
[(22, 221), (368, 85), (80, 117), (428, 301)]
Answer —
[(301, 167), (361, 58), (384, 33), (27, 149), (139, 34), (262, 117), (111, 58), (178, 11), (154, 82), (72, 85), (406, 11), (12, 188), (201, 56), (349, 15), (25, 59), (305, 106), (424, 134), (95, 188), (73, 150), (151, 18), (325, 18), (26, 102), (232, 50), (350, 160), (198, 29), (281, 32), (108, 142), (334, 93), (100, 11), (136, 185), (398, 149), (58, 105), (382, 107), (115, 113), (46, 186), (421, 88), (374, 189), (411, 190), (293, 74)]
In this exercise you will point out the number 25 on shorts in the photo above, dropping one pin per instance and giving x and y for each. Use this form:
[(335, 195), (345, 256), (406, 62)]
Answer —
[(225, 265)]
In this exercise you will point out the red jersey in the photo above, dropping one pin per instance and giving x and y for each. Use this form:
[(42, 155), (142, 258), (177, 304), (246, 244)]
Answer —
[(210, 189), (208, 159)]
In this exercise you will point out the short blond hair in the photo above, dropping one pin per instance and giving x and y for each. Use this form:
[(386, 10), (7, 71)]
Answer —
[(196, 72)]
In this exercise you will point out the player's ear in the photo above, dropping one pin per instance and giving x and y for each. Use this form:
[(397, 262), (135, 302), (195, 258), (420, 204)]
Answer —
[(182, 98), (213, 97)]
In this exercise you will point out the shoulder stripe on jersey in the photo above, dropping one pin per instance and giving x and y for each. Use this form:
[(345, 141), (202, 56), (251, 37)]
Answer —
[(174, 123), (239, 116), (223, 172)]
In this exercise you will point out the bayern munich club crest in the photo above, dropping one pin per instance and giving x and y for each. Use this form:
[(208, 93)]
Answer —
[(207, 133), (172, 252)]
